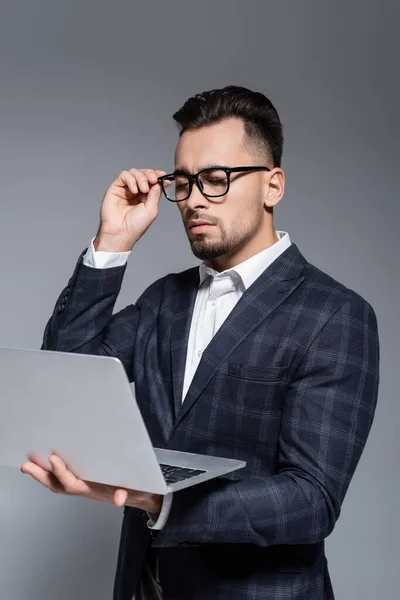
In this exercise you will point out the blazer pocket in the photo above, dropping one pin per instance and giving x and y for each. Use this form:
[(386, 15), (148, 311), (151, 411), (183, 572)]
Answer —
[(262, 374)]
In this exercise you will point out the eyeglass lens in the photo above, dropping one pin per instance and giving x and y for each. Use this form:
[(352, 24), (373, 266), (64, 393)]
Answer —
[(212, 183)]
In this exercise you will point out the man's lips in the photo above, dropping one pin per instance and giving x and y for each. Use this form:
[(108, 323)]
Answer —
[(199, 224)]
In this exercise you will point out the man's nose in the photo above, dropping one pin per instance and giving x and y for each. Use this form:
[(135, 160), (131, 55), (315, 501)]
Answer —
[(196, 199)]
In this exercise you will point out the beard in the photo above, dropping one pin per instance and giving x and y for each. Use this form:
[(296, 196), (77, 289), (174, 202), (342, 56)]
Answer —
[(243, 230)]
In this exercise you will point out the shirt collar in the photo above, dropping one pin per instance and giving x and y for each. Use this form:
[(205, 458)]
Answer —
[(249, 270)]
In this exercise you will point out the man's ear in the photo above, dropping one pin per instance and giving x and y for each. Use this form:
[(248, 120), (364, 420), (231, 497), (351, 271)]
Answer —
[(274, 186)]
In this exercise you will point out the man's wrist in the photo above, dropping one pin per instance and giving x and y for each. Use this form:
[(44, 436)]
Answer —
[(154, 507), (104, 260), (111, 243), (151, 503), (161, 520), (153, 516)]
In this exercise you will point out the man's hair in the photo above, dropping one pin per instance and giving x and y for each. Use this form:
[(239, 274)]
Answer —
[(263, 128)]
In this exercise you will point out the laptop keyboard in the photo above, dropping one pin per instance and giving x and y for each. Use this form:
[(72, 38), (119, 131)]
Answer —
[(173, 474)]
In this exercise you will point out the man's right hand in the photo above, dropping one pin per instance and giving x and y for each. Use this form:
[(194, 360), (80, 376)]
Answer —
[(129, 207)]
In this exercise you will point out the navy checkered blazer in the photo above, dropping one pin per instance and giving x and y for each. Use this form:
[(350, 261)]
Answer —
[(289, 384)]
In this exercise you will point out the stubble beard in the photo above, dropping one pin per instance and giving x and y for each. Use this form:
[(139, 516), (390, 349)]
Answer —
[(242, 232)]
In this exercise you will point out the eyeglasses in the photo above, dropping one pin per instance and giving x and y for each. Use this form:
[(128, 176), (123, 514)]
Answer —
[(212, 182)]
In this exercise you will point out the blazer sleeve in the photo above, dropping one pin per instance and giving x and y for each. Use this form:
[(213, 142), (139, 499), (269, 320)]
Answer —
[(326, 420), (83, 319)]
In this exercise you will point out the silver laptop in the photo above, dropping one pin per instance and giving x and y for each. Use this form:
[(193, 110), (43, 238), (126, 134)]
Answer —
[(83, 408)]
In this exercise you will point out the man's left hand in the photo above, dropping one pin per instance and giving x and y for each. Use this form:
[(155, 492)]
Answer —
[(60, 480)]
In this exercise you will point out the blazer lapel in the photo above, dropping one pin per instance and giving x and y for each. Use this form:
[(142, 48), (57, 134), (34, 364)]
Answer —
[(275, 284), (187, 287)]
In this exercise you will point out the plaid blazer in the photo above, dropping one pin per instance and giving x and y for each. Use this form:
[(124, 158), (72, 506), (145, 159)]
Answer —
[(289, 384)]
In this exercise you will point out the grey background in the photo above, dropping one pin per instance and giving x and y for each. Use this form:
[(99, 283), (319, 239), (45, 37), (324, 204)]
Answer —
[(87, 89)]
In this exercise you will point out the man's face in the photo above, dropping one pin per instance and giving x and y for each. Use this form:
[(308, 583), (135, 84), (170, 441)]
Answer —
[(234, 219)]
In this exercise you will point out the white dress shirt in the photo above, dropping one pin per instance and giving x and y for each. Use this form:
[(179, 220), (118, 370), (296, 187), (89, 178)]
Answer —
[(217, 295)]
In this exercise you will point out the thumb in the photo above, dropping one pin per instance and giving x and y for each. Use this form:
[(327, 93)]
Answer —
[(153, 199)]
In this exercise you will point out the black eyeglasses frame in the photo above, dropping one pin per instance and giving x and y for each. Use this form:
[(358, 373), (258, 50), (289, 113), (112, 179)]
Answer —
[(195, 179)]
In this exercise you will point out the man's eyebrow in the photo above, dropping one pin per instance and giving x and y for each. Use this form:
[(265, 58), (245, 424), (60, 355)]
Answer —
[(179, 171)]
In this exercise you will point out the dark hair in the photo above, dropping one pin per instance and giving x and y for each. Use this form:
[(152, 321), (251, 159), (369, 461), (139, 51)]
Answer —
[(263, 127)]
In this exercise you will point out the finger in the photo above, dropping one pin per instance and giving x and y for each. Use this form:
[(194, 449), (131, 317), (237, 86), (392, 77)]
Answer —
[(152, 172), (154, 175), (151, 175), (70, 483), (166, 181), (126, 179), (38, 459), (153, 200), (120, 497), (42, 476), (141, 180)]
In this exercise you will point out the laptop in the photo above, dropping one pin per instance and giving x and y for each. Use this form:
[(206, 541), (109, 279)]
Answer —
[(83, 408)]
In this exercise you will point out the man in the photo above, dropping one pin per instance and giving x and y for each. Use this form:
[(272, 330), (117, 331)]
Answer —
[(257, 355)]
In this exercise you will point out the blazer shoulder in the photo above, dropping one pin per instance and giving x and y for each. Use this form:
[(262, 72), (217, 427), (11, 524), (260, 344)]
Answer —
[(324, 284)]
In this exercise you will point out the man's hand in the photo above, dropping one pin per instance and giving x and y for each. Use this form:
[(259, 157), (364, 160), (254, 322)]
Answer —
[(129, 207), (61, 480)]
